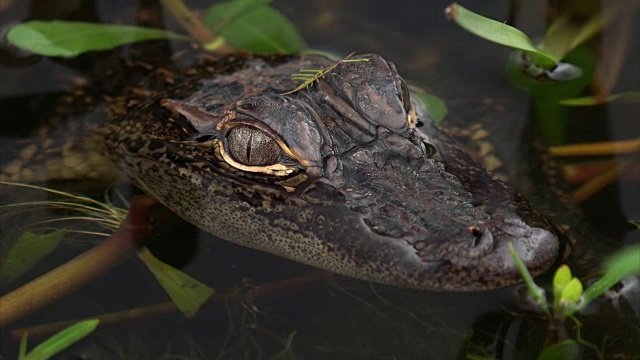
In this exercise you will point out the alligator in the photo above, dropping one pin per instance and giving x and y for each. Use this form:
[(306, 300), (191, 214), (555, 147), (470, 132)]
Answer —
[(348, 174)]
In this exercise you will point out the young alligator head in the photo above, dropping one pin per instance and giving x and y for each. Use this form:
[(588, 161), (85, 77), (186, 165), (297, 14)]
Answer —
[(347, 175)]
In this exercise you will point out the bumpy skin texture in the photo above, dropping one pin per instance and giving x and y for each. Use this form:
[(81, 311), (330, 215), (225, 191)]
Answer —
[(365, 185)]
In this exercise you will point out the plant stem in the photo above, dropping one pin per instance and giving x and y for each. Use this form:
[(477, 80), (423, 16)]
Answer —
[(602, 148), (192, 24), (81, 270)]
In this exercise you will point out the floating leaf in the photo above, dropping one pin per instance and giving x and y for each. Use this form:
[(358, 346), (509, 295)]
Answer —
[(630, 97), (499, 33), (27, 252), (254, 26), (435, 106), (186, 292), (61, 340), (68, 38)]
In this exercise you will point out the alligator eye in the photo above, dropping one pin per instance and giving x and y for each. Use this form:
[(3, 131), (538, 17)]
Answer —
[(405, 97), (252, 146)]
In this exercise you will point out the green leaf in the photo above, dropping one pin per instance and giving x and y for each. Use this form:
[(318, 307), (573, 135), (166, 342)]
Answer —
[(253, 26), (536, 292), (563, 35), (561, 279), (22, 350), (435, 106), (186, 292), (629, 97), (564, 350), (236, 9), (624, 263), (499, 33), (27, 252), (572, 292), (68, 38), (62, 340)]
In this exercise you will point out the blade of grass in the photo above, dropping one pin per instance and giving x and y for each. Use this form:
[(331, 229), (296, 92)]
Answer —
[(62, 340), (81, 270), (625, 263), (536, 292)]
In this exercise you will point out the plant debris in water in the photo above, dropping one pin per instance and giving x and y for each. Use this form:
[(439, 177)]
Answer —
[(187, 293)]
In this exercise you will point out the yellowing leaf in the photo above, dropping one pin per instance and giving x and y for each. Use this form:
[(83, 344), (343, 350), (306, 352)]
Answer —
[(572, 292), (186, 292), (561, 279)]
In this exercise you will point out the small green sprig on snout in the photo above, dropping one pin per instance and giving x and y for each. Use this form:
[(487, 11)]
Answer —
[(311, 76)]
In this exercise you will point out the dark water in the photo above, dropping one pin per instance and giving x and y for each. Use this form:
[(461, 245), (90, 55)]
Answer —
[(342, 318)]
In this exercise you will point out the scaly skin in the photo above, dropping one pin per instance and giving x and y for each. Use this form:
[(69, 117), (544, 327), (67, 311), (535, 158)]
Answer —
[(361, 182)]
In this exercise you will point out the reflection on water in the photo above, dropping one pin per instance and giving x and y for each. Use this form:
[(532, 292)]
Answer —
[(340, 318)]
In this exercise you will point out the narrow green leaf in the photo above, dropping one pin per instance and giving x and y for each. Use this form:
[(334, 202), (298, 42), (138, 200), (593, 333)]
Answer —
[(186, 292), (435, 106), (22, 350), (499, 33), (564, 350), (68, 38), (62, 340), (624, 263), (629, 97), (561, 279), (27, 252), (536, 292), (261, 29)]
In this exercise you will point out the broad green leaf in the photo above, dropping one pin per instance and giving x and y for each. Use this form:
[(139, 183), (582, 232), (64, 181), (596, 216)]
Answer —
[(186, 292), (630, 97), (561, 279), (499, 33), (237, 8), (27, 252), (259, 29), (68, 38), (564, 350), (536, 292), (624, 263), (62, 340), (435, 106)]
